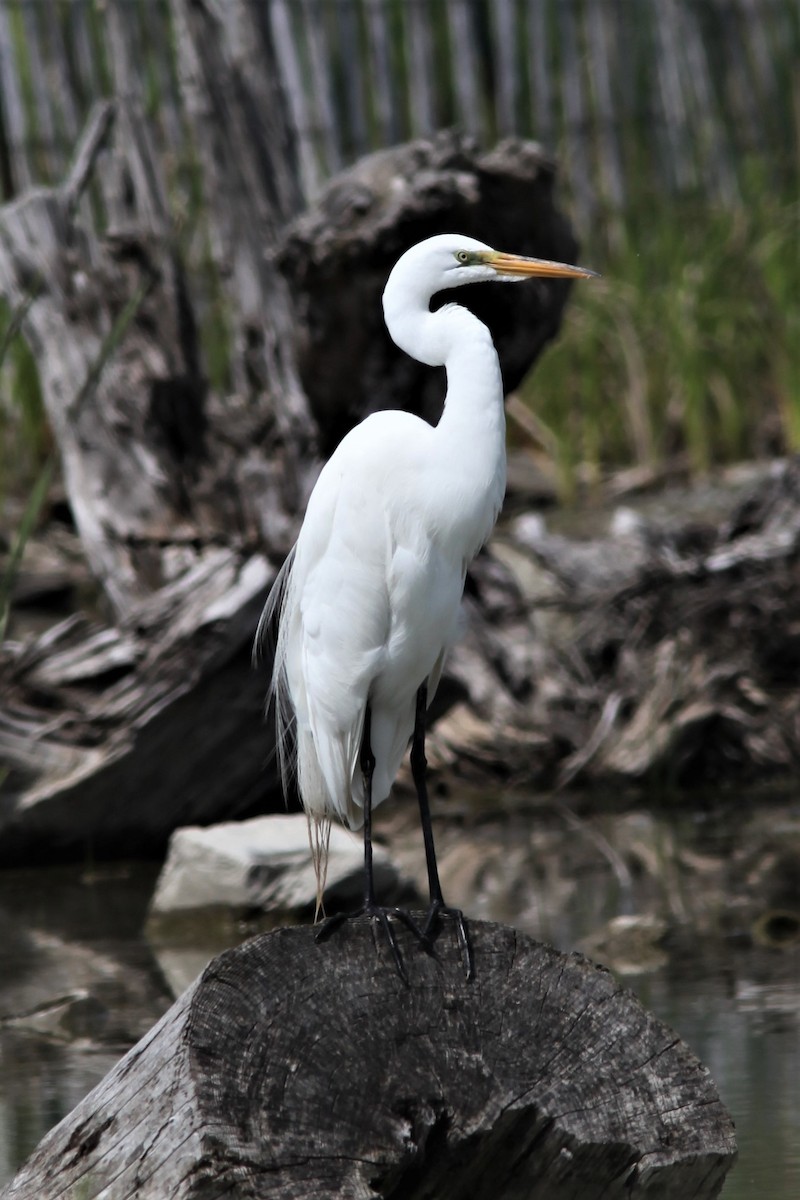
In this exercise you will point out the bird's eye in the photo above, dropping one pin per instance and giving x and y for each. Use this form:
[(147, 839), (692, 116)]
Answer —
[(463, 256)]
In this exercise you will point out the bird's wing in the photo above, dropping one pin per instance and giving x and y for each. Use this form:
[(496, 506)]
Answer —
[(336, 606), (342, 615)]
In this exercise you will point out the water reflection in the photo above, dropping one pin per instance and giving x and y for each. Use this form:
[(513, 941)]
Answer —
[(78, 986), (79, 983), (753, 1054)]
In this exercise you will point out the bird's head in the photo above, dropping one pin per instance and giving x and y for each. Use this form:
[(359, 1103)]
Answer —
[(443, 262), (450, 260)]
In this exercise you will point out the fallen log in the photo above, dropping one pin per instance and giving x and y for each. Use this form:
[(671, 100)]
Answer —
[(659, 651), (295, 1069)]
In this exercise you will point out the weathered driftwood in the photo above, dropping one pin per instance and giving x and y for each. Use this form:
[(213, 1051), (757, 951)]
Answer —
[(177, 492), (157, 722), (661, 652), (297, 1069)]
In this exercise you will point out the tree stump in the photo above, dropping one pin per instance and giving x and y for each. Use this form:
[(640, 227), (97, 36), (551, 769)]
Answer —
[(298, 1069)]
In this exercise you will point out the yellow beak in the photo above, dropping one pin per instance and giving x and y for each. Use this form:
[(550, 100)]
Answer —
[(516, 265)]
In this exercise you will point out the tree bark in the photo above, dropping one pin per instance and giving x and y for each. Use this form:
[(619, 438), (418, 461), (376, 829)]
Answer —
[(295, 1069)]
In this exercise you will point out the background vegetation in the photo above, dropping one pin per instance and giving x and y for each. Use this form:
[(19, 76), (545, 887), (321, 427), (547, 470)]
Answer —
[(685, 354)]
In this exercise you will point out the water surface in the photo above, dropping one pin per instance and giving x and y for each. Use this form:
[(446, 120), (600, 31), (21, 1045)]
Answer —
[(79, 982)]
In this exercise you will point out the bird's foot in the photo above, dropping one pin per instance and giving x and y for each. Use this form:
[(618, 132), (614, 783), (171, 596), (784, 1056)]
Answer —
[(439, 909), (381, 916)]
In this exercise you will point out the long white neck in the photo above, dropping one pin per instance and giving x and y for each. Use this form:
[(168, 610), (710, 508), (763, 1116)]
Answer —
[(471, 431), (453, 338)]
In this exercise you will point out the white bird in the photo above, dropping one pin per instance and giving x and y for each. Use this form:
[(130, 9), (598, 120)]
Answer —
[(368, 600)]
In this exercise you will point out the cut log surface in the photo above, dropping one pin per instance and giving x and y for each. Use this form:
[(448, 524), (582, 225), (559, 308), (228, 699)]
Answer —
[(294, 1069)]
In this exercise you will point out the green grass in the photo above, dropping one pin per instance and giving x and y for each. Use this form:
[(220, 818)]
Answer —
[(26, 462), (686, 346), (30, 517), (24, 432)]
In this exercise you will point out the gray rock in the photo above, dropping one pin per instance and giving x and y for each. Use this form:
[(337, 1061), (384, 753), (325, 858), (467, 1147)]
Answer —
[(261, 864)]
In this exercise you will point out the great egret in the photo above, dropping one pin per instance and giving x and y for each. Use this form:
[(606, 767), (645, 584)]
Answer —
[(367, 602)]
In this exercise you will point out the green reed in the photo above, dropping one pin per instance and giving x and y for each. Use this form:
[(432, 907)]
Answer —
[(686, 346), (24, 433)]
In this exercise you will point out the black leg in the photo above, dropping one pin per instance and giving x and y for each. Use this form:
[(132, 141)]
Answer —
[(371, 908), (367, 770), (419, 769)]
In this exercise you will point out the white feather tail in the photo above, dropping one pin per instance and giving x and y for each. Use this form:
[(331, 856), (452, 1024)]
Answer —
[(294, 747), (272, 635)]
